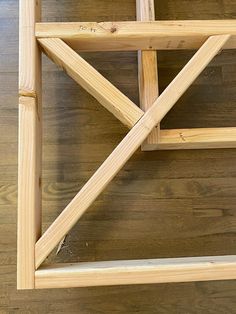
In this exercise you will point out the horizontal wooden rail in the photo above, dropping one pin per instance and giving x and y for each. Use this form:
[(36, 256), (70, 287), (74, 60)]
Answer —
[(156, 35), (137, 272), (111, 166), (196, 138)]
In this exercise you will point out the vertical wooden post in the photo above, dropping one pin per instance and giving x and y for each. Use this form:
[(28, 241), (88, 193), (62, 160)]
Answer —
[(30, 144), (147, 67)]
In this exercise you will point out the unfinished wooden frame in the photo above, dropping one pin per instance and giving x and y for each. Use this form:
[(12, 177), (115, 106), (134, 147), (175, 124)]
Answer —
[(57, 41)]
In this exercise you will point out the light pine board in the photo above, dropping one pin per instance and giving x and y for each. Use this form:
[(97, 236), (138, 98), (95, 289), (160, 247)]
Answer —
[(137, 272), (147, 67), (157, 35), (29, 171), (195, 138)]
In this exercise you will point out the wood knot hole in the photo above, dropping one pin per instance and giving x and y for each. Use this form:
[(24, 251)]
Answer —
[(113, 29)]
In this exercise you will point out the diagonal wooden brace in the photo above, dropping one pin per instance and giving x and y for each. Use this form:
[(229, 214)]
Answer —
[(111, 166), (91, 80)]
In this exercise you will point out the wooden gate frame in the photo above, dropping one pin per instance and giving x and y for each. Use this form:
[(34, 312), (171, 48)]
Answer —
[(147, 36)]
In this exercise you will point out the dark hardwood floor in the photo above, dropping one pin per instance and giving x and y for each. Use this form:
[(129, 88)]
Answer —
[(162, 204)]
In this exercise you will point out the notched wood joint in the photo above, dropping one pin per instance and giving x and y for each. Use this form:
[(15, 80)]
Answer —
[(30, 99), (26, 93)]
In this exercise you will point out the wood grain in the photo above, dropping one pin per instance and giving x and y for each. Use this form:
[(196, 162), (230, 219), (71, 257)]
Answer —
[(196, 138), (147, 67), (30, 142), (30, 12), (125, 36), (85, 75), (127, 147), (137, 272)]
